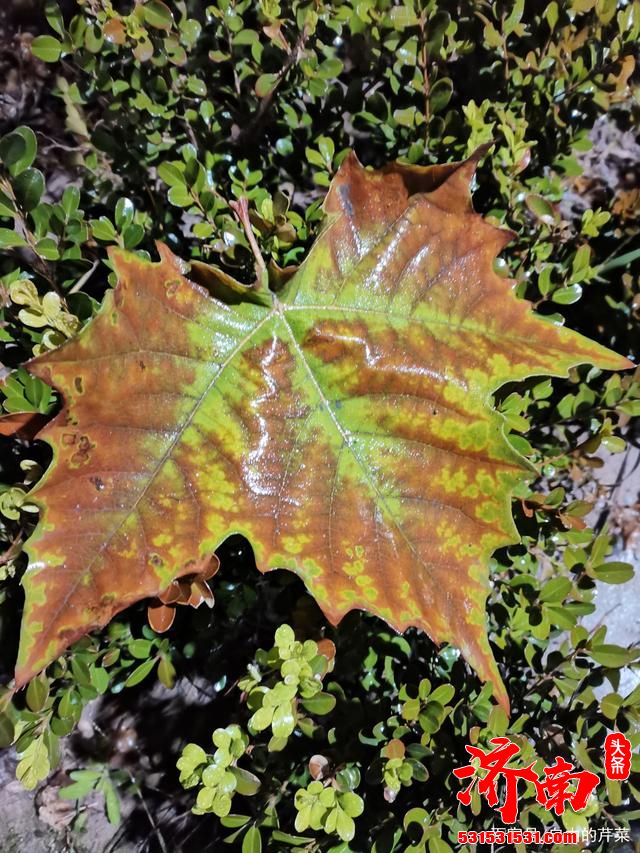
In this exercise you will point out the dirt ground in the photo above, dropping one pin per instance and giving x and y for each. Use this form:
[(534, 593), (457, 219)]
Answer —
[(617, 606)]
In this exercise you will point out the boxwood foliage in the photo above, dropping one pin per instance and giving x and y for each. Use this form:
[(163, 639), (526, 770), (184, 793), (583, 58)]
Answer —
[(151, 119)]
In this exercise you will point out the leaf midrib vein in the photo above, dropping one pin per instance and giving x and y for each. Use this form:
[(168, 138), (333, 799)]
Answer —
[(345, 436)]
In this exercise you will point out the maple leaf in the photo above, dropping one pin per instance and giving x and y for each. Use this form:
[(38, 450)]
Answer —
[(22, 424), (343, 424)]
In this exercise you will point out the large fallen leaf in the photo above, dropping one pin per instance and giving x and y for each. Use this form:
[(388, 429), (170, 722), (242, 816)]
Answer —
[(22, 424), (343, 425)]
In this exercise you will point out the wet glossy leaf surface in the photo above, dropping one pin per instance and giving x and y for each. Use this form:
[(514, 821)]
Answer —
[(343, 425)]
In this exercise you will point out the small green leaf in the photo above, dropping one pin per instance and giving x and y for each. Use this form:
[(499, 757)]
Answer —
[(29, 187), (7, 207), (438, 845), (54, 17), (264, 84), (613, 656), (567, 295), (580, 263), (143, 51), (321, 703), (252, 842), (556, 589), (326, 148), (284, 146), (166, 672), (345, 825), (70, 200), (171, 174), (203, 230), (69, 705), (540, 208), (329, 69), (610, 705), (7, 730), (431, 717), (574, 822), (613, 572), (100, 679), (157, 14), (111, 802), (605, 10), (34, 764), (418, 816), (10, 240), (246, 783), (84, 781), (102, 229), (351, 804), (140, 673), (47, 248), (498, 721), (286, 838), (132, 235), (233, 821), (37, 693), (407, 117), (179, 196), (277, 744), (443, 694), (192, 756), (140, 648), (283, 722), (440, 94), (46, 48), (124, 212), (18, 150)]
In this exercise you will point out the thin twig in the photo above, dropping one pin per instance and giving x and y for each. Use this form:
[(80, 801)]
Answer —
[(236, 78), (154, 825), (599, 69), (241, 210), (85, 278), (13, 550), (265, 103)]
